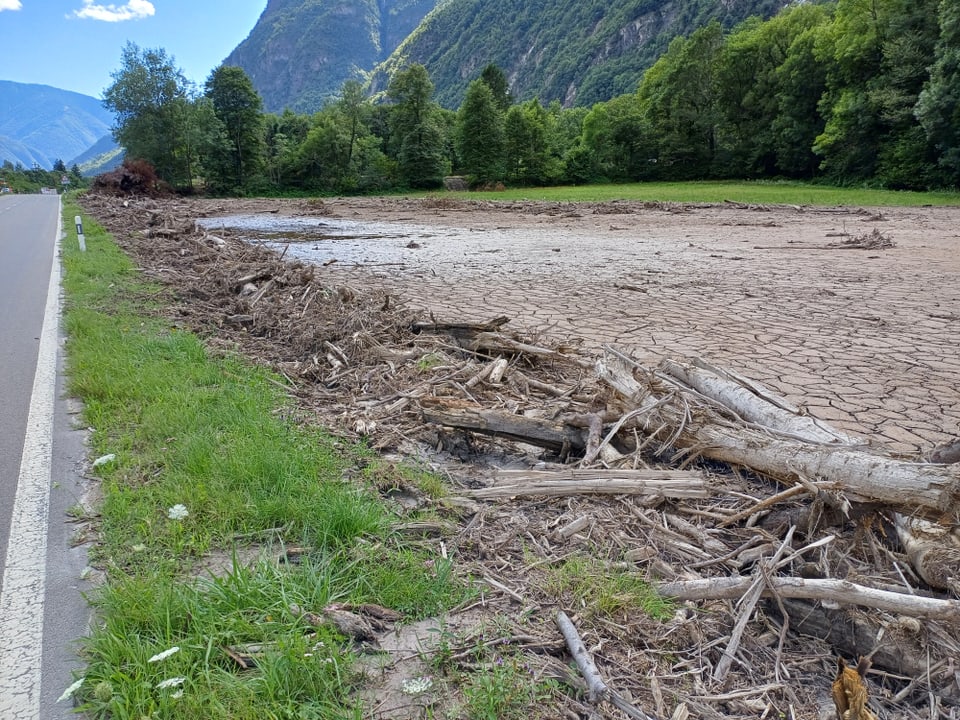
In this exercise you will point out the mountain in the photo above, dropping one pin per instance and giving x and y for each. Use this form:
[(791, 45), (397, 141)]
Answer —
[(301, 51), (576, 51), (100, 157), (40, 124)]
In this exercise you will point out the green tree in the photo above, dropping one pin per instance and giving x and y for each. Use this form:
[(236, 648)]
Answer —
[(906, 158), (149, 95), (320, 159), (283, 134), (678, 101), (416, 129), (749, 89), (355, 108), (938, 106), (852, 50), (480, 136), (495, 79), (529, 153), (237, 106), (618, 141), (801, 82)]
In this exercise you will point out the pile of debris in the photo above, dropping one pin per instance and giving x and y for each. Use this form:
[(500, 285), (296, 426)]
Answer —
[(768, 526)]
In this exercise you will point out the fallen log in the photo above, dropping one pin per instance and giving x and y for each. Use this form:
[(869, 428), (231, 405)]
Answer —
[(754, 403), (933, 549), (903, 649), (597, 689), (499, 423), (563, 483), (835, 591), (782, 449)]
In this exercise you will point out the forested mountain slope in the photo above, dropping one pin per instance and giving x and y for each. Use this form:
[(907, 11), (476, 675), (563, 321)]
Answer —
[(576, 51), (301, 51)]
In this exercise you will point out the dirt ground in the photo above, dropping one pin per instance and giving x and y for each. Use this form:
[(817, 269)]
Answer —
[(866, 338), (847, 312)]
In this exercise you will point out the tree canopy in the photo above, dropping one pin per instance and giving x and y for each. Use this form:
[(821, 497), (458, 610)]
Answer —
[(846, 92)]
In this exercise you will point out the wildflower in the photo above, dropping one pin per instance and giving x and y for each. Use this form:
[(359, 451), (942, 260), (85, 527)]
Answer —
[(164, 655), (178, 512), (104, 459), (68, 693), (170, 682), (416, 686)]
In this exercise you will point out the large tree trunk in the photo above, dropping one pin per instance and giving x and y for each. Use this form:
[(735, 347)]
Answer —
[(724, 419)]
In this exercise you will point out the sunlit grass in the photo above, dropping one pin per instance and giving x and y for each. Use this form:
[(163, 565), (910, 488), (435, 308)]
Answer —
[(758, 192), (205, 464)]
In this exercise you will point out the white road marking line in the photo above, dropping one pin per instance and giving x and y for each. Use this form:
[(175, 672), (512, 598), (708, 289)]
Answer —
[(24, 577)]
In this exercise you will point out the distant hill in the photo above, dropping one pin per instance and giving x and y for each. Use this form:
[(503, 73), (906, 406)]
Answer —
[(576, 51), (301, 51), (104, 155), (40, 124)]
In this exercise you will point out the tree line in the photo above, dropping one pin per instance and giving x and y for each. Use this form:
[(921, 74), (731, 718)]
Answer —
[(853, 91), (15, 178)]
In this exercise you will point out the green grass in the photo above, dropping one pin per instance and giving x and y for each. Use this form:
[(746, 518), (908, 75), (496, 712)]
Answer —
[(189, 429), (585, 582), (759, 192)]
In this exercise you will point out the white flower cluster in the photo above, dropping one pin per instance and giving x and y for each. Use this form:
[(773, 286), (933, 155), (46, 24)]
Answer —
[(416, 686), (178, 512)]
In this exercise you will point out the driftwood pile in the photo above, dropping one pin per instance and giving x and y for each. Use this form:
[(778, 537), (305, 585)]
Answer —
[(767, 526)]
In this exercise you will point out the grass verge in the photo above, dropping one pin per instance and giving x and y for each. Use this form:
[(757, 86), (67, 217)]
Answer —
[(204, 464)]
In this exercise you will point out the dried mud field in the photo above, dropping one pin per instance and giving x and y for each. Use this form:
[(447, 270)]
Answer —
[(865, 337), (850, 314)]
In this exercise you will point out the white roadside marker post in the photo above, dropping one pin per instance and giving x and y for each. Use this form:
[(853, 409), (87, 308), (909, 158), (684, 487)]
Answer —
[(83, 242)]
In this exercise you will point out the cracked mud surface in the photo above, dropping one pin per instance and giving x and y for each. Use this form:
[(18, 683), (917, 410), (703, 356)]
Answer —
[(864, 338)]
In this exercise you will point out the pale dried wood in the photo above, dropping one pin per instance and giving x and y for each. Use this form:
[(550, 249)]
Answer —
[(933, 549), (575, 526), (747, 604), (754, 403), (562, 483), (498, 343), (500, 366), (597, 689), (838, 591), (863, 475)]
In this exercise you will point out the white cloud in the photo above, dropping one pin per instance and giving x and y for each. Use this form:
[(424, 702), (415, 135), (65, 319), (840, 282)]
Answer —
[(10, 5), (132, 10)]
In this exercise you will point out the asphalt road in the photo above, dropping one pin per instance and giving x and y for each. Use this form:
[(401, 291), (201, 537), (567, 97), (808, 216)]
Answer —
[(42, 611)]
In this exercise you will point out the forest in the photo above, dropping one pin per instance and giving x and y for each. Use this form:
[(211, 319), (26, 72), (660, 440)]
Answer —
[(856, 92)]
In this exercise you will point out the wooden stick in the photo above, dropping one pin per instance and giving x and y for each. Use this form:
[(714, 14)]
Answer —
[(749, 601), (596, 688)]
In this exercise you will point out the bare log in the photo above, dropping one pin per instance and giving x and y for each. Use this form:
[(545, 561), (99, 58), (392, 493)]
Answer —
[(934, 551), (534, 431), (837, 591), (657, 483), (754, 403), (460, 329), (784, 454), (902, 650)]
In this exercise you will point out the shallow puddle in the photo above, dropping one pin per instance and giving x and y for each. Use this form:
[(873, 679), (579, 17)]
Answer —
[(326, 240)]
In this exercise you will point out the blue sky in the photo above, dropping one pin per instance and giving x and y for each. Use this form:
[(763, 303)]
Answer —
[(76, 44)]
